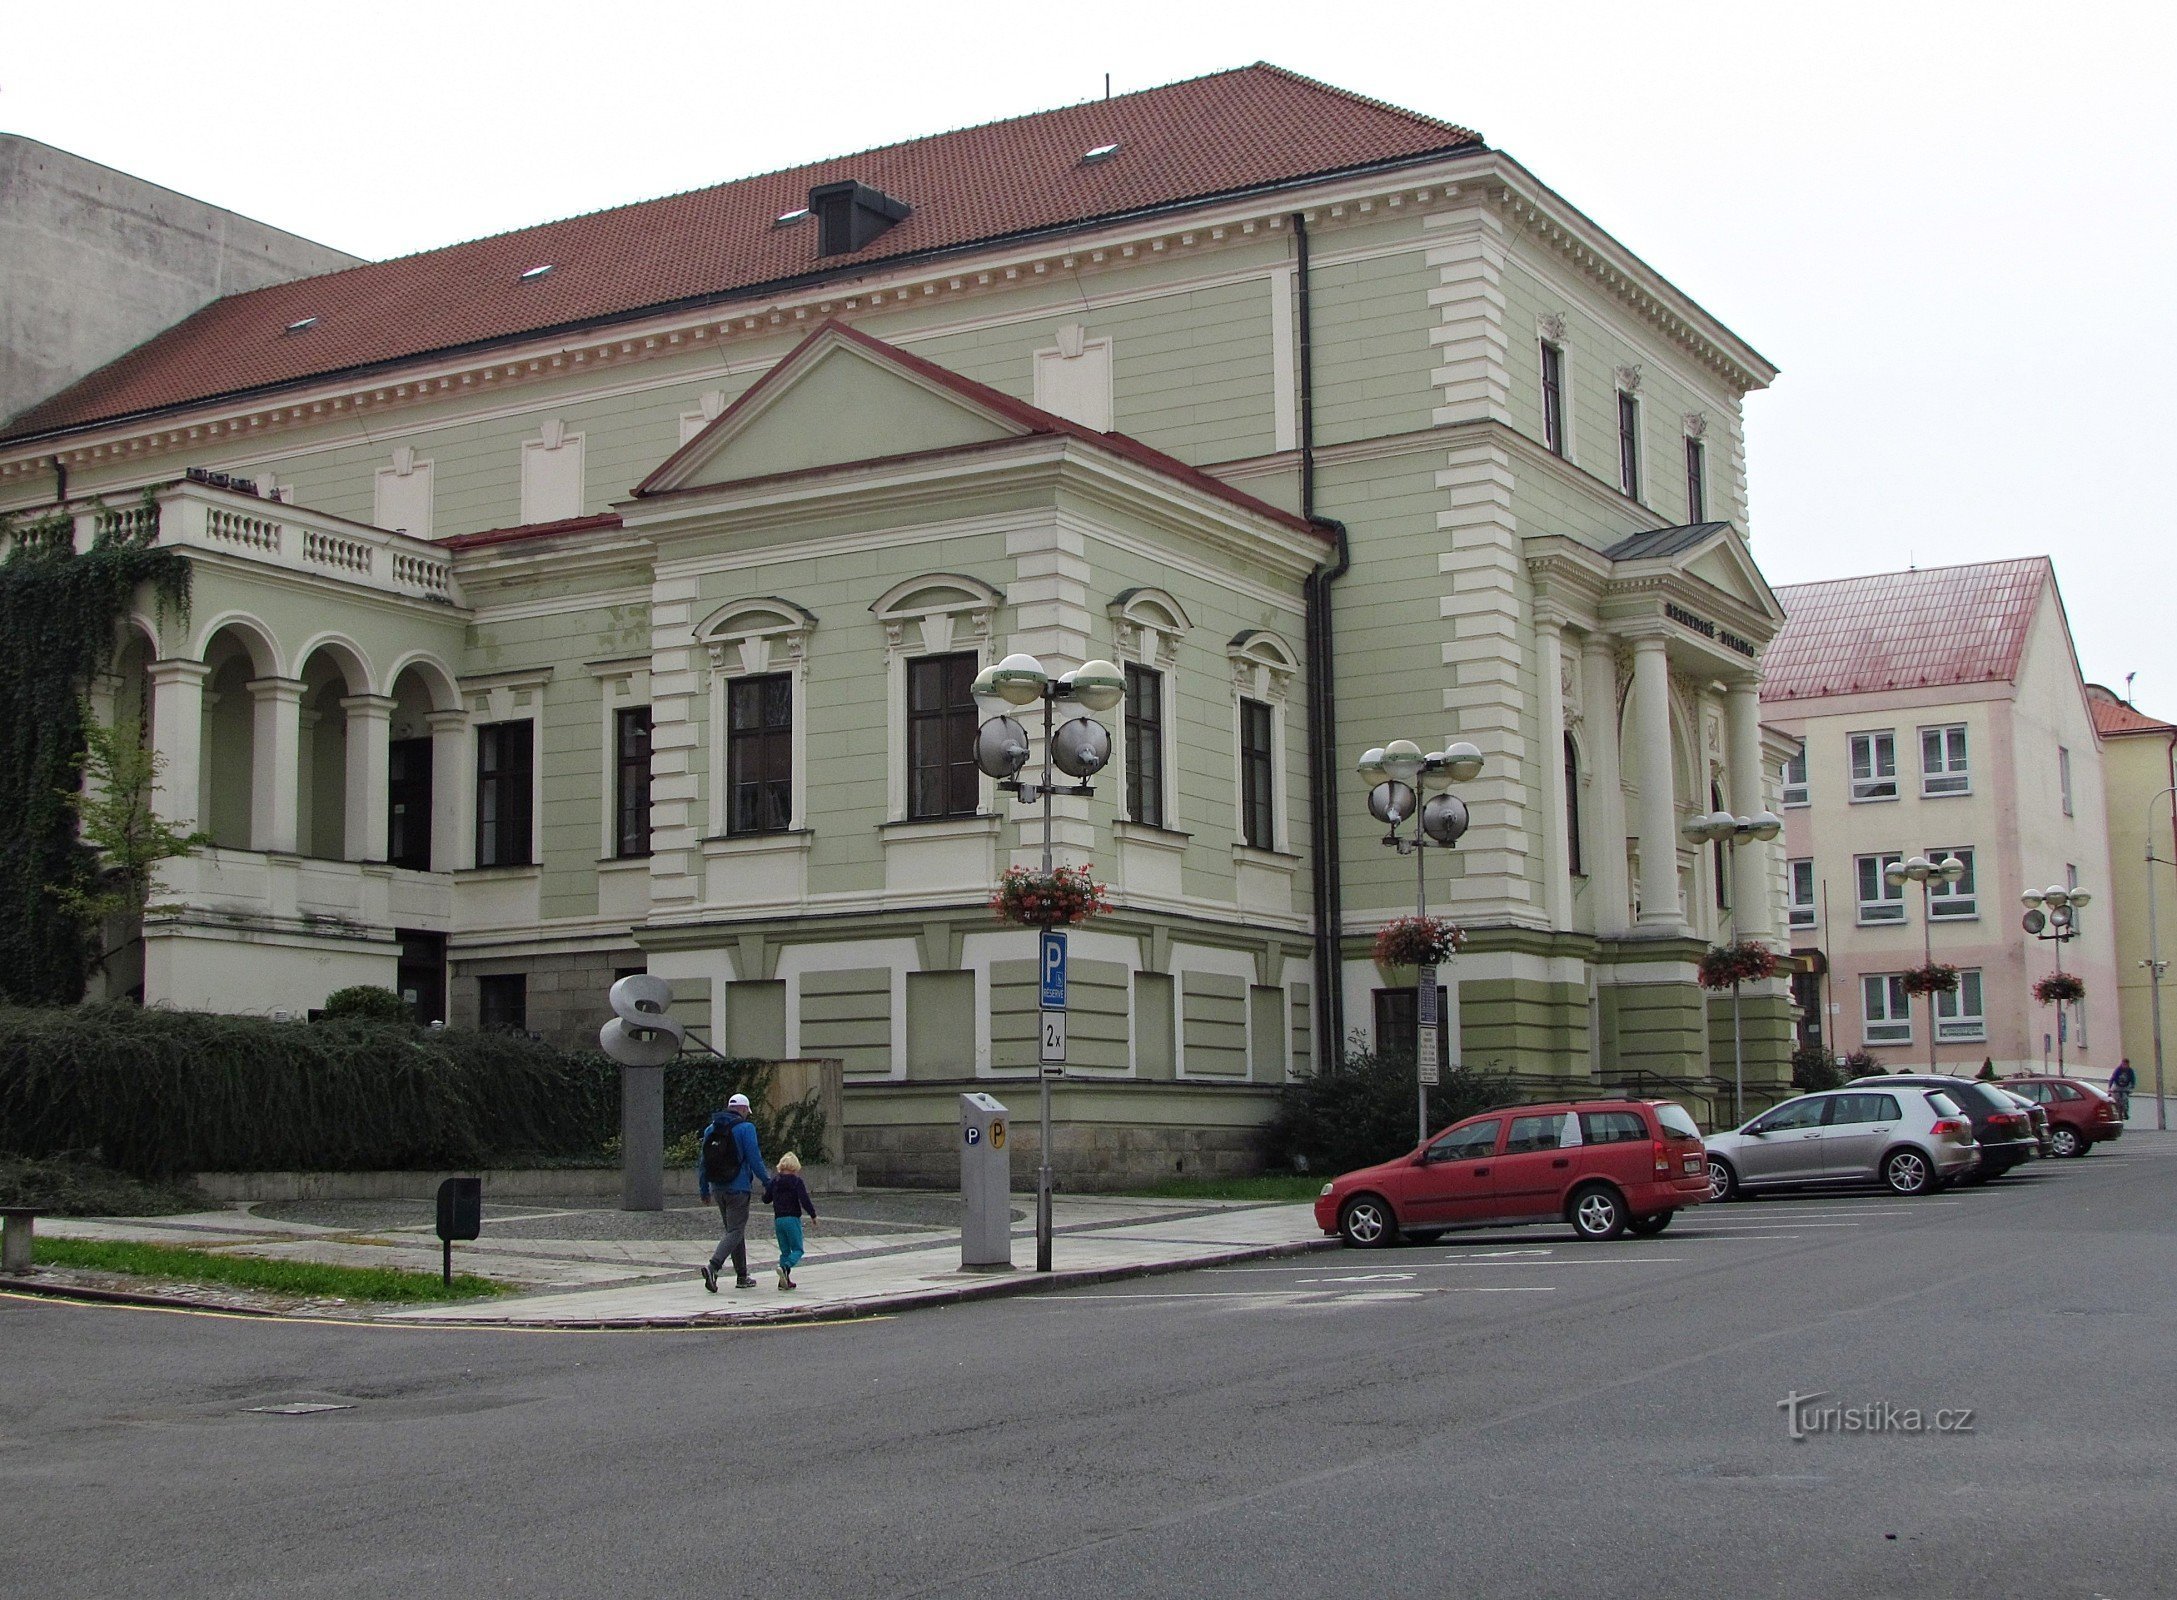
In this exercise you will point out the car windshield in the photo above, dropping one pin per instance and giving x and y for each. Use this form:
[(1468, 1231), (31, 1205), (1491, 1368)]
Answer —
[(1676, 1121)]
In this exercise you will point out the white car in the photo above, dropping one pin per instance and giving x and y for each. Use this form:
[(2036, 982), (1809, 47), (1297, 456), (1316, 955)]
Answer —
[(1912, 1139)]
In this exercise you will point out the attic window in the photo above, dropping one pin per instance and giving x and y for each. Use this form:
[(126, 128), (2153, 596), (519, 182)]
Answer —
[(1102, 152), (850, 215), (534, 273), (786, 219), (300, 325)]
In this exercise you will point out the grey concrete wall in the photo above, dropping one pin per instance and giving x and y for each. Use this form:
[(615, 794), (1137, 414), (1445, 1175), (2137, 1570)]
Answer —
[(97, 261)]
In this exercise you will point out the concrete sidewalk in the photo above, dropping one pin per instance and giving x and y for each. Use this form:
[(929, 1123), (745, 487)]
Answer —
[(589, 1267)]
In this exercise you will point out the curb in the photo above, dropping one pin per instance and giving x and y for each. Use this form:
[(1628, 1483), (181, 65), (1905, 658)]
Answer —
[(130, 1297)]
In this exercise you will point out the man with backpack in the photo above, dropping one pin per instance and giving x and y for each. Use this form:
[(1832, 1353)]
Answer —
[(731, 1163)]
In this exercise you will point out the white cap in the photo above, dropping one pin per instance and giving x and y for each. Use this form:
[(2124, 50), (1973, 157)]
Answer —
[(738, 1103)]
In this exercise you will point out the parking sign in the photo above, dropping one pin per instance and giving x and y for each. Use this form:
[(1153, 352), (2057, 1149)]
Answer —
[(1053, 966)]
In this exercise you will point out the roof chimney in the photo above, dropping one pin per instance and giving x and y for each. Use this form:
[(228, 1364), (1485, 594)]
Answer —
[(851, 214)]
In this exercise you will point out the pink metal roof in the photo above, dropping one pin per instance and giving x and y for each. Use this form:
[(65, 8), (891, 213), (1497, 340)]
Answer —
[(1904, 630)]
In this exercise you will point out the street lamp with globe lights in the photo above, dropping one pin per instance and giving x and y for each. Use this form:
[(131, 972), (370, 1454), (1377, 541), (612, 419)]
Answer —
[(1720, 827), (2058, 925), (1398, 775), (1075, 744), (1926, 873)]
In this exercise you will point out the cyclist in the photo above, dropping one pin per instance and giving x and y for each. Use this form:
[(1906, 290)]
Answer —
[(2121, 1083)]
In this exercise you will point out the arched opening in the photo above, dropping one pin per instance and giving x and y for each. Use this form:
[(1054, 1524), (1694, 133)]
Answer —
[(409, 773), (321, 795), (227, 767), (1575, 862)]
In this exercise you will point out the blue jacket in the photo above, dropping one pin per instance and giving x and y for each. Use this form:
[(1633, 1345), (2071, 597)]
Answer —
[(744, 1140)]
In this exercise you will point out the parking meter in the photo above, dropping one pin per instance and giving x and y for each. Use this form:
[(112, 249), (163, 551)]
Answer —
[(986, 1185)]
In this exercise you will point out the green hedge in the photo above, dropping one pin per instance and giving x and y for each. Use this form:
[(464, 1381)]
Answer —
[(154, 1093), (1366, 1112)]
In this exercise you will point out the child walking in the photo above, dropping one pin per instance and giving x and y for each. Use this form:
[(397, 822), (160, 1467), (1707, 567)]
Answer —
[(789, 1200)]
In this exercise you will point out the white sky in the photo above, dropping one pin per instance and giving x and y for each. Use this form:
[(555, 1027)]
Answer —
[(1942, 221)]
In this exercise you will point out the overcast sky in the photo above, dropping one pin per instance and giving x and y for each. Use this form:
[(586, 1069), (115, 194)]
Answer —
[(1950, 225)]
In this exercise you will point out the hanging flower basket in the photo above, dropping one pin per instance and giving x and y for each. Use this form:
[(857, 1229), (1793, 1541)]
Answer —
[(1727, 964), (1937, 977), (2058, 988), (1418, 942), (1060, 898)]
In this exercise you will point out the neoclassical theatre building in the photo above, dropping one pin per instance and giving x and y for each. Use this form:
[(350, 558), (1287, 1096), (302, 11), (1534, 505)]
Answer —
[(604, 596)]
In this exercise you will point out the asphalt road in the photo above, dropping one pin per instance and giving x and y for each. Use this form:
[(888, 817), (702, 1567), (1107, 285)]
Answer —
[(1508, 1413)]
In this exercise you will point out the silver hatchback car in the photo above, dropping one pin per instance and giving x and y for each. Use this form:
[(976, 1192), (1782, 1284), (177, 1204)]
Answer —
[(1912, 1139)]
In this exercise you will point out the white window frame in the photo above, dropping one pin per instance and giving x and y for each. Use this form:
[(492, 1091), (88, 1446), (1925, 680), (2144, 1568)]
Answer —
[(1629, 480), (1797, 791), (1952, 773), (1956, 1021), (1800, 913), (1263, 668), (747, 639), (1960, 901), (1885, 1013), (1888, 897), (494, 697), (932, 615), (1869, 787), (621, 686), (1147, 625)]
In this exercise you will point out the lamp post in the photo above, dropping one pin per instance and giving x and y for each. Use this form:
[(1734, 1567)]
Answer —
[(1078, 746), (2058, 926), (1718, 827), (1397, 775), (1926, 873), (2154, 962)]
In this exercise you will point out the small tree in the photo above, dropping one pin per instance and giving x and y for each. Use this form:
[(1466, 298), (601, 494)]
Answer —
[(115, 780)]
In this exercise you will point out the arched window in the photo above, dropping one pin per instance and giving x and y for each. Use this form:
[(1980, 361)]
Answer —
[(1572, 808), (1722, 847)]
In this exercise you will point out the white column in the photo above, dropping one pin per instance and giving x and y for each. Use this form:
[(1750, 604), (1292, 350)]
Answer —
[(177, 735), (370, 772), (1556, 831), (1609, 892), (1753, 868), (453, 839), (276, 765), (1659, 908)]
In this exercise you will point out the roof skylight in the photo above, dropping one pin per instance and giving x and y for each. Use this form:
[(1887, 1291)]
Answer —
[(300, 325), (1102, 152), (534, 273), (787, 219)]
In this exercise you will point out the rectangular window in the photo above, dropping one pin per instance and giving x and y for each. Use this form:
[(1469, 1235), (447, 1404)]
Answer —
[(1553, 398), (505, 773), (1145, 745), (1696, 481), (1942, 761), (1886, 1008), (1802, 892), (941, 774), (1629, 444), (760, 753), (1795, 777), (1395, 1024), (1880, 899), (1258, 816), (2063, 776), (631, 787), (1874, 765), (1953, 901), (502, 1002), (1958, 1014), (408, 804)]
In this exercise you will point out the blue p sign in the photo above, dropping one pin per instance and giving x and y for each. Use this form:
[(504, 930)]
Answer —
[(1053, 966)]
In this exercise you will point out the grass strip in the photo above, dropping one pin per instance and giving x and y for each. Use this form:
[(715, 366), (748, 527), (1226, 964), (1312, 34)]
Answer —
[(1280, 1187), (309, 1278)]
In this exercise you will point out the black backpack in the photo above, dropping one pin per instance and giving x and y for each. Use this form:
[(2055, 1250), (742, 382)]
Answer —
[(721, 1156)]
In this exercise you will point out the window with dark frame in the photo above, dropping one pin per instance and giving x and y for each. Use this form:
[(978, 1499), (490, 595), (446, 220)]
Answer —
[(505, 804), (502, 1003), (1553, 398), (1258, 817), (1629, 444), (1145, 745), (631, 781), (1572, 808), (941, 772), (408, 804), (760, 754), (1395, 1030), (1696, 481)]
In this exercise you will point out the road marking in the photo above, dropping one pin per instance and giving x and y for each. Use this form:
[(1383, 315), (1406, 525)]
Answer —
[(1365, 1277), (1288, 1296)]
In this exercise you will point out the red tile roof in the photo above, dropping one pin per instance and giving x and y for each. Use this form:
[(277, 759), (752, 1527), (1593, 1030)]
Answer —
[(1231, 132), (2114, 716), (1903, 630), (1033, 419)]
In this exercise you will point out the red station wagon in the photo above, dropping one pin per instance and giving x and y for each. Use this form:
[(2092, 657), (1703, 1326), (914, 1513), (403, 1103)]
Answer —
[(2080, 1115), (1605, 1166)]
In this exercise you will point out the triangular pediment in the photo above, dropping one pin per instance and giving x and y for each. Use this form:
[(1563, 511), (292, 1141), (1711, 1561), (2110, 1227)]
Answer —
[(1710, 553), (1726, 566), (835, 401)]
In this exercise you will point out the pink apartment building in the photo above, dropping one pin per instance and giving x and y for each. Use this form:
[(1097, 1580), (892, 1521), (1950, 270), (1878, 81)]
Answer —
[(1941, 712)]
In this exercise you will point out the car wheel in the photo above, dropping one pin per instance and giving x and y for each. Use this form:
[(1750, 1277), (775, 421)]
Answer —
[(1597, 1212), (1907, 1172), (1366, 1223), (1649, 1227), (1723, 1183), (2066, 1142)]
